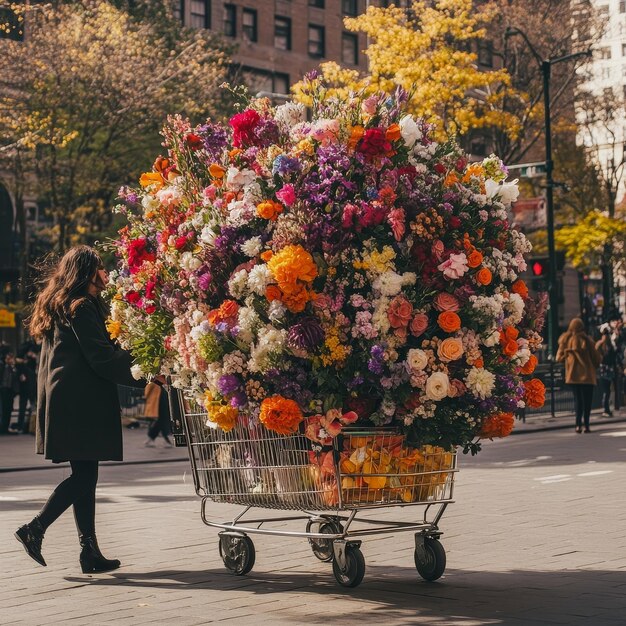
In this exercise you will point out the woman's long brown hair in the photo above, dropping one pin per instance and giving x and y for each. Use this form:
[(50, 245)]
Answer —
[(64, 290)]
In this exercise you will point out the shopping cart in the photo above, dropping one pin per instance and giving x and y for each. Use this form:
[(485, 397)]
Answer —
[(333, 489)]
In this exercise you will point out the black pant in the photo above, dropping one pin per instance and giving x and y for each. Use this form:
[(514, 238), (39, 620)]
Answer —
[(6, 408), (583, 394), (79, 490), (21, 414), (605, 386)]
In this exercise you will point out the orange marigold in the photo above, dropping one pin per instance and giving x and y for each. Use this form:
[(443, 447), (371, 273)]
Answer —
[(534, 393), (449, 321), (497, 425), (280, 415), (291, 267), (269, 209)]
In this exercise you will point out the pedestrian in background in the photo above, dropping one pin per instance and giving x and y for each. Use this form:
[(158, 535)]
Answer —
[(27, 372), (606, 371), (78, 411), (578, 351), (157, 409), (618, 340), (9, 387)]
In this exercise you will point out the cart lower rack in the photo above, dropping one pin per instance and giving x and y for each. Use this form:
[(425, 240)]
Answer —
[(333, 492)]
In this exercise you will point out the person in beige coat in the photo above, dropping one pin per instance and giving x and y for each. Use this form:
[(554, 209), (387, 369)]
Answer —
[(578, 351)]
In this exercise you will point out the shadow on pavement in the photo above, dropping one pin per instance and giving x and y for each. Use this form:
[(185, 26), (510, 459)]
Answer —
[(397, 595)]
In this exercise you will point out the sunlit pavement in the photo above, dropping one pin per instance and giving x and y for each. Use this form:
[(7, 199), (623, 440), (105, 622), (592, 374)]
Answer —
[(537, 535)]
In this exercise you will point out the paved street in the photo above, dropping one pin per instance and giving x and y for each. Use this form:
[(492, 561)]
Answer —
[(537, 536)]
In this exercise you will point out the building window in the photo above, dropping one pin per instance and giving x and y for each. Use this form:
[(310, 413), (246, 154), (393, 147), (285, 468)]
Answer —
[(230, 20), (350, 7), (605, 73), (318, 4), (624, 91), (281, 83), (485, 53), (624, 49), (350, 48), (622, 6), (282, 33), (604, 53), (200, 16), (179, 10), (260, 80), (249, 29), (316, 41)]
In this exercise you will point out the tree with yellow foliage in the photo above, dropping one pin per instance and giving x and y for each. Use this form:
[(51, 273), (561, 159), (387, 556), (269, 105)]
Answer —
[(83, 96), (426, 50)]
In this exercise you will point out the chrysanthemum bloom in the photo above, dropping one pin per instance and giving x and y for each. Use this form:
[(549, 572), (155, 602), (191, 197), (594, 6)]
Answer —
[(280, 415), (534, 393), (498, 425)]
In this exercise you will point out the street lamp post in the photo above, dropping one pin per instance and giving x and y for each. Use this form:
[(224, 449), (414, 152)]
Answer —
[(545, 66)]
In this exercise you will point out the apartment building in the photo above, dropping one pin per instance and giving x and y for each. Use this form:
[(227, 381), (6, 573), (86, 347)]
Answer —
[(278, 41)]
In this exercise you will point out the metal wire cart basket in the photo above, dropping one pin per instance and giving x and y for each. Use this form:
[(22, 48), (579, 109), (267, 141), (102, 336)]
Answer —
[(332, 489)]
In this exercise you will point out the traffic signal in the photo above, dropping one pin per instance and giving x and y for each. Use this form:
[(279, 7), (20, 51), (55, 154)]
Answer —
[(539, 267)]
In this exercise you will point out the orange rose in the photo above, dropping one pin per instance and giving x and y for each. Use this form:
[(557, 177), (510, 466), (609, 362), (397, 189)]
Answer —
[(474, 259), (393, 133), (483, 276), (519, 287), (450, 349), (530, 366), (498, 425), (511, 332), (479, 363), (269, 209), (534, 393), (228, 309), (213, 317), (449, 321), (280, 415), (272, 292), (510, 347)]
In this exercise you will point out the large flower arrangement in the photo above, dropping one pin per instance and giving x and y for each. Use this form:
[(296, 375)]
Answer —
[(307, 274)]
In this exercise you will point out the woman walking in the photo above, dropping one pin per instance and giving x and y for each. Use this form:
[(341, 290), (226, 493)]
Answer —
[(606, 371), (157, 409), (78, 412), (581, 358)]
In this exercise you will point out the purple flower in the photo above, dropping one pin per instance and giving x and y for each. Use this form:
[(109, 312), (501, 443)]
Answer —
[(285, 165), (214, 138), (227, 384), (238, 399), (307, 334), (204, 280)]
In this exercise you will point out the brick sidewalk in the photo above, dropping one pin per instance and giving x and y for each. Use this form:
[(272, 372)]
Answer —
[(537, 536)]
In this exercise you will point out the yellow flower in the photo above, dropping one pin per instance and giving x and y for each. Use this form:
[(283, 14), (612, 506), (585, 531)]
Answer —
[(114, 327), (291, 267), (223, 415)]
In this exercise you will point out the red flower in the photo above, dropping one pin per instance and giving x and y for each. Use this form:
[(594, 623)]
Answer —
[(244, 125), (150, 286), (180, 242), (150, 309), (193, 141), (138, 253), (440, 168), (133, 297), (454, 221), (374, 143), (372, 215)]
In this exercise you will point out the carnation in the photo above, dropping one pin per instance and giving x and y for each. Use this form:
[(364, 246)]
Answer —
[(237, 284), (259, 278)]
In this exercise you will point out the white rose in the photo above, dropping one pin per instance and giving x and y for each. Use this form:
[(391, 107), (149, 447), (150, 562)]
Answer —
[(507, 192), (409, 130), (416, 359), (437, 386)]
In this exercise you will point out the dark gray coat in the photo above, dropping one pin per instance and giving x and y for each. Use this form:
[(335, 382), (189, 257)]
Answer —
[(78, 410)]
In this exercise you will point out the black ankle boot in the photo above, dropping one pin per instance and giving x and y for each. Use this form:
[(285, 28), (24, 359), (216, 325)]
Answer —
[(91, 559), (31, 537)]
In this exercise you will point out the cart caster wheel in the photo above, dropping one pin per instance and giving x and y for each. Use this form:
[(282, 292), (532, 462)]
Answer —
[(354, 570), (323, 548), (431, 561), (238, 553)]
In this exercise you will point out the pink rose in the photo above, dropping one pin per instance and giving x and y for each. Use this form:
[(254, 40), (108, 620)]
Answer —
[(401, 333), (454, 267), (438, 249), (399, 312), (418, 324), (286, 195), (445, 301), (457, 388)]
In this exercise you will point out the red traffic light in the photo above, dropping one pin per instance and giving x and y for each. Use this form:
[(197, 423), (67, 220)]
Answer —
[(539, 267)]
